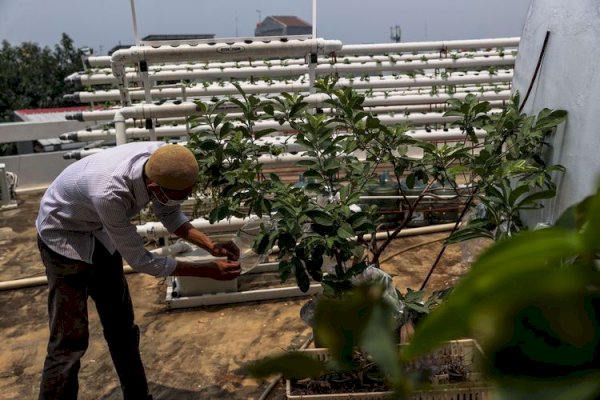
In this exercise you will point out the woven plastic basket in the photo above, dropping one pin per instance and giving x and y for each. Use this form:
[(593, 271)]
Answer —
[(473, 389)]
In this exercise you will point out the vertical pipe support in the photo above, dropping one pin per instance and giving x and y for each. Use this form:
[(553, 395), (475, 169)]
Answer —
[(143, 74), (120, 128), (118, 70), (312, 71), (314, 19), (136, 36)]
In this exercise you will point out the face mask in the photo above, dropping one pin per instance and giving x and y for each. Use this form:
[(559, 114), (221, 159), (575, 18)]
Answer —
[(169, 202)]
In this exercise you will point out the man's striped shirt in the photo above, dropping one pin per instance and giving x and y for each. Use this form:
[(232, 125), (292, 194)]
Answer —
[(96, 197)]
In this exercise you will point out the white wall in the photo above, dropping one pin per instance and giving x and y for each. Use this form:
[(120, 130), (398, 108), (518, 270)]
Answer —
[(569, 79), (36, 171)]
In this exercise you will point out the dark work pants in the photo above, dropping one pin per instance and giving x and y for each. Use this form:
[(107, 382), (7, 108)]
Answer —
[(70, 282)]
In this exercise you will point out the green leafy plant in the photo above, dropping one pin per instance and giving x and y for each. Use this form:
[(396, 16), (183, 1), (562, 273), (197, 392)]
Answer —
[(32, 76), (228, 154), (419, 303), (531, 301), (506, 169), (324, 231), (317, 227), (541, 326)]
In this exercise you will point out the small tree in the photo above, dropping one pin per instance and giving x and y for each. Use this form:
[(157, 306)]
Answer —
[(323, 230)]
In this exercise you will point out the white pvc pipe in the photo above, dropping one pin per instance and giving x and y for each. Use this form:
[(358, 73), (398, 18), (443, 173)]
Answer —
[(143, 111), (479, 89), (406, 47), (427, 46), (96, 115), (79, 154), (440, 98), (371, 66), (121, 78), (225, 51), (428, 81), (105, 76), (97, 61), (120, 135), (379, 105), (314, 18), (317, 100), (433, 107), (424, 230), (130, 133), (298, 85), (411, 109), (175, 248), (288, 159), (183, 130), (416, 119), (136, 36), (228, 89), (156, 230), (340, 60)]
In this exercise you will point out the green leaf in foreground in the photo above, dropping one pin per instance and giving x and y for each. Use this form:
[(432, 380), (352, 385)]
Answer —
[(359, 319), (500, 277)]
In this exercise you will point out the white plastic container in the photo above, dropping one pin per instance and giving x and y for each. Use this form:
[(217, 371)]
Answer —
[(186, 286)]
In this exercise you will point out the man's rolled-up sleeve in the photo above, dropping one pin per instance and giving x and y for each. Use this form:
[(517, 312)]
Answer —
[(129, 243), (170, 216)]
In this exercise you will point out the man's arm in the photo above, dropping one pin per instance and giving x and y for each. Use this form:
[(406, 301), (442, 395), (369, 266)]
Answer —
[(223, 249)]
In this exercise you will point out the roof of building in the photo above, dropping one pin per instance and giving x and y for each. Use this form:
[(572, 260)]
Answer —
[(290, 20), (165, 37), (50, 114), (179, 36)]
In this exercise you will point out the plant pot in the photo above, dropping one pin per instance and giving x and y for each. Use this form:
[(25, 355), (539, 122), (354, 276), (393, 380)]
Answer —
[(472, 388)]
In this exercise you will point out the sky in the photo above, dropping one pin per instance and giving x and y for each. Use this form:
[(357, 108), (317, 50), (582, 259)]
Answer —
[(102, 24)]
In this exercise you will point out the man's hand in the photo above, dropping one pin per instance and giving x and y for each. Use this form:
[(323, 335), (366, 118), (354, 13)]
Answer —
[(224, 270), (226, 249)]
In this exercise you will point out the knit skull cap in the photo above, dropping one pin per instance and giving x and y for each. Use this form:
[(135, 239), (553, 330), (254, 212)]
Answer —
[(172, 167)]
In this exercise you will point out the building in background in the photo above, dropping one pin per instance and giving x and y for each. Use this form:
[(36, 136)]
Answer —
[(282, 25), (166, 37)]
